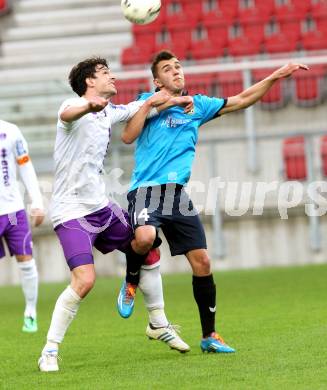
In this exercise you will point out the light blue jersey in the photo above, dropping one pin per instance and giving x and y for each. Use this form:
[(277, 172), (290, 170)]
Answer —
[(166, 147)]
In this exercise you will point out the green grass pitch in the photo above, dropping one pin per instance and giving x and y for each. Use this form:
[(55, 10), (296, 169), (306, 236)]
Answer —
[(276, 318)]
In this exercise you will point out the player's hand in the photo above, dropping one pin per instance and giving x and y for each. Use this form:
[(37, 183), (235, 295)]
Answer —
[(158, 98), (288, 70), (183, 101), (37, 217), (97, 104)]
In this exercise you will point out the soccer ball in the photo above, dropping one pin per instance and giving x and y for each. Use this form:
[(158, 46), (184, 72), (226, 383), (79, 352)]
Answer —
[(141, 11)]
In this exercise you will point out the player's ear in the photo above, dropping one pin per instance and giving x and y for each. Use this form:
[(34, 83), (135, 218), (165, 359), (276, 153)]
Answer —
[(89, 81), (157, 83)]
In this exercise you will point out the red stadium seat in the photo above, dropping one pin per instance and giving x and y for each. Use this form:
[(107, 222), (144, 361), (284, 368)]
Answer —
[(297, 8), (294, 158), (303, 6), (222, 11), (144, 41), (249, 42), (244, 46), (145, 36), (182, 11), (177, 39), (178, 48), (289, 20), (323, 154), (279, 43), (217, 33), (192, 9), (200, 83), (254, 31), (275, 97), (322, 24), (260, 11), (309, 86), (128, 90), (314, 40), (319, 9), (229, 83), (135, 56), (205, 49), (181, 34)]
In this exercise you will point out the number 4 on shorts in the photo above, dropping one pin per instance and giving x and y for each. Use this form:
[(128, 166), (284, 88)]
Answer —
[(142, 215)]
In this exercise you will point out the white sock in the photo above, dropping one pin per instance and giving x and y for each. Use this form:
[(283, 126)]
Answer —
[(29, 280), (151, 286), (51, 347), (63, 314)]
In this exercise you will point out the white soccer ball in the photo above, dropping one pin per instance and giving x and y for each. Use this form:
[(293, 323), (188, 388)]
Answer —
[(141, 11)]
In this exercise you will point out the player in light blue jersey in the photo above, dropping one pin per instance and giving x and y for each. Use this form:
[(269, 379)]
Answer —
[(163, 161), (174, 137)]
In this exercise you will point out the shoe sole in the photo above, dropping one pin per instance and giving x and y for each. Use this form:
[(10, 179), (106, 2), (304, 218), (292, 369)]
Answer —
[(175, 349), (29, 330), (215, 351)]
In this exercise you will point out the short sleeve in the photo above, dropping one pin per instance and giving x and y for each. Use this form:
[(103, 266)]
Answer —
[(209, 106), (72, 102), (124, 112)]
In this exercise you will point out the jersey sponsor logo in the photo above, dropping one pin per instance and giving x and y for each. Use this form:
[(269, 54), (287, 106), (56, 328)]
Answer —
[(20, 149), (5, 167), (174, 122), (3, 135)]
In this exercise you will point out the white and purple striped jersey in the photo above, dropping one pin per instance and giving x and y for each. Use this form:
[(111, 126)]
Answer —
[(13, 154), (80, 150)]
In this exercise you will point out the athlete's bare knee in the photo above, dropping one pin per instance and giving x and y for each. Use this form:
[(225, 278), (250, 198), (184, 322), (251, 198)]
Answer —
[(144, 239), (83, 282), (200, 263), (204, 265), (84, 286)]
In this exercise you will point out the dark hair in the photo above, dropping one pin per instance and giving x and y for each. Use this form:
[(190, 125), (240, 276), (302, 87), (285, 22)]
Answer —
[(83, 70), (161, 56)]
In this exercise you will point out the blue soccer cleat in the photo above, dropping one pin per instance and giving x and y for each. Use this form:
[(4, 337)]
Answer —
[(126, 298), (215, 343)]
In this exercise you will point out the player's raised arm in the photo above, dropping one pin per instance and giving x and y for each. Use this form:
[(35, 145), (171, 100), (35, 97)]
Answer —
[(256, 91), (95, 104), (160, 101)]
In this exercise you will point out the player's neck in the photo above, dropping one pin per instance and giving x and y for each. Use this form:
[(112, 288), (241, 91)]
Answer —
[(172, 93), (91, 94)]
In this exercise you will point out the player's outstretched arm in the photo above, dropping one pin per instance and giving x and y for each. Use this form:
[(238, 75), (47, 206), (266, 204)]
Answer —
[(134, 126), (256, 91), (95, 104), (161, 101)]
